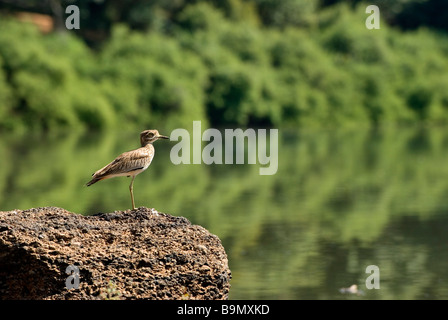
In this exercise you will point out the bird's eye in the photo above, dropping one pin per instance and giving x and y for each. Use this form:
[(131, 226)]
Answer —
[(150, 135)]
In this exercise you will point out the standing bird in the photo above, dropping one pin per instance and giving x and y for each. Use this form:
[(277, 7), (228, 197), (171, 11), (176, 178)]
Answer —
[(130, 163)]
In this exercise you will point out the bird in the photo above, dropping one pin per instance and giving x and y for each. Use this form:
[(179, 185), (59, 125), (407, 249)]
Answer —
[(130, 163)]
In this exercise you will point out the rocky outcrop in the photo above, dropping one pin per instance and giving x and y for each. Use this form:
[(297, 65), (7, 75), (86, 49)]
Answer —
[(50, 253)]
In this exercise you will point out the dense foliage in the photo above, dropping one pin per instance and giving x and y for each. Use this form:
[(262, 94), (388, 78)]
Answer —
[(232, 63)]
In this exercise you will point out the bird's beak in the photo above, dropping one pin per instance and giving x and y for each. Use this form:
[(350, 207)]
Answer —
[(162, 137)]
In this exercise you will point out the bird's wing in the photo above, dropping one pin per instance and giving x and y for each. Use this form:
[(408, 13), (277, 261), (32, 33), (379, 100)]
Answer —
[(126, 162)]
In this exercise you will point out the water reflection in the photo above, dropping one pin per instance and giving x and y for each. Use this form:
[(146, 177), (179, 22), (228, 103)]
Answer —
[(340, 201)]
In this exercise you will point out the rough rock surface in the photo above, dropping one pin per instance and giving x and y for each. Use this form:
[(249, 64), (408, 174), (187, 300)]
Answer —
[(133, 254)]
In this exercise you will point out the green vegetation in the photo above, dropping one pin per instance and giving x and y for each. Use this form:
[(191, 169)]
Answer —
[(341, 199), (240, 63)]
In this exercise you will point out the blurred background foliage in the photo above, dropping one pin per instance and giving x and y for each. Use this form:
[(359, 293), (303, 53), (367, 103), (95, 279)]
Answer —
[(341, 199), (138, 64)]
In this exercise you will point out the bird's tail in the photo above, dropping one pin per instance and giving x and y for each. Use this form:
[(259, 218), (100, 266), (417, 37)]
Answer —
[(94, 180)]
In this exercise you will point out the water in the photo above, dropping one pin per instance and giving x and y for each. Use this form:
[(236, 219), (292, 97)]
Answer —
[(340, 201)]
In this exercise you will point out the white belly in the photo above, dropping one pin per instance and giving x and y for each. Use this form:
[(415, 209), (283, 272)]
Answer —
[(128, 174)]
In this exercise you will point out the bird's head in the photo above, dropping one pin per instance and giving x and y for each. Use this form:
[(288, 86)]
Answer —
[(149, 136)]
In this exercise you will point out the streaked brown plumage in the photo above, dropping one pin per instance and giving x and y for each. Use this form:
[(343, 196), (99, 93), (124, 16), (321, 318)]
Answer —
[(130, 163)]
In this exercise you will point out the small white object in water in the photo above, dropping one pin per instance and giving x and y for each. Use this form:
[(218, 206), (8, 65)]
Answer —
[(353, 289)]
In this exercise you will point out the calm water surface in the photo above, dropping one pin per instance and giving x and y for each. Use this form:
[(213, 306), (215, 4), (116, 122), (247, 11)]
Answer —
[(340, 201)]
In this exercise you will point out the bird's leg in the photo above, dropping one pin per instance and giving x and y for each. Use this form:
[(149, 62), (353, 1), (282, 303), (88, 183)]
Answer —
[(131, 189)]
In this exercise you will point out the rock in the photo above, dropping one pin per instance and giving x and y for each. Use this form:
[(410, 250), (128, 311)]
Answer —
[(353, 289), (138, 254)]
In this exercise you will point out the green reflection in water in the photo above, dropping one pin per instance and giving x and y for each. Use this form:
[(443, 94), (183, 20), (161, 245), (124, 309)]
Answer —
[(340, 201)]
